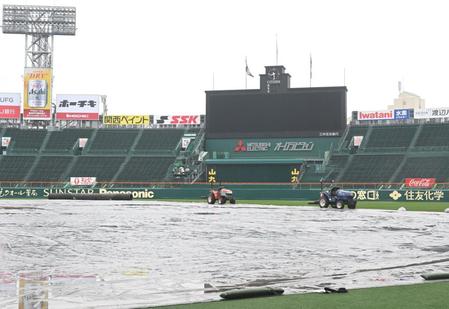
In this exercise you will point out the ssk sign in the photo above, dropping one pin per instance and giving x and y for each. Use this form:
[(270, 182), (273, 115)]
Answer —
[(420, 182), (177, 119)]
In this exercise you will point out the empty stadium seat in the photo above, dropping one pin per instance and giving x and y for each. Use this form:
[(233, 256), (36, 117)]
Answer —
[(142, 169), (15, 167), (50, 168), (425, 167), (353, 131), (158, 140), (110, 141), (102, 167), (433, 135), (64, 141), (372, 168), (24, 140), (393, 137)]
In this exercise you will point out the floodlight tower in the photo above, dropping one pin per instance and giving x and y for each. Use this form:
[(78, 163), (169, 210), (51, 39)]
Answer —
[(39, 24)]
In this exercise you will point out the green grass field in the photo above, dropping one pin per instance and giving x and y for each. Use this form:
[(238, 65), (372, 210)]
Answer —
[(417, 296)]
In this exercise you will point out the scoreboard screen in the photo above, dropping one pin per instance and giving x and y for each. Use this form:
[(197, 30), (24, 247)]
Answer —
[(299, 112)]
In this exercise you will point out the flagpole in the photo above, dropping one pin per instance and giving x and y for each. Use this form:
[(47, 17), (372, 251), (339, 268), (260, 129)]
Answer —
[(246, 73), (310, 69), (277, 51), (213, 80)]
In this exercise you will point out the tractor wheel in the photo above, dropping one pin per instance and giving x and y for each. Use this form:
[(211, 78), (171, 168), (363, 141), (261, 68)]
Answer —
[(339, 205), (352, 204), (232, 201), (222, 200), (324, 203), (211, 199)]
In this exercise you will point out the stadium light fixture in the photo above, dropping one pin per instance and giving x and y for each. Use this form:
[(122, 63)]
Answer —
[(40, 20), (39, 24)]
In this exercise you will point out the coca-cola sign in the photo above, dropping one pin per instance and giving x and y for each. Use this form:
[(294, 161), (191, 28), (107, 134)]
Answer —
[(420, 182)]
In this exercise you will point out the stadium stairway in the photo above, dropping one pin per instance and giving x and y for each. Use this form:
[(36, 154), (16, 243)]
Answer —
[(122, 166), (398, 169), (45, 142), (91, 139), (415, 138), (128, 157), (66, 173), (345, 168), (366, 137), (33, 166)]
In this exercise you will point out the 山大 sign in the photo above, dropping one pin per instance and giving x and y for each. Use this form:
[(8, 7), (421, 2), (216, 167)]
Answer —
[(420, 182), (177, 119), (428, 113), (135, 120), (242, 146), (77, 107), (37, 93), (9, 105)]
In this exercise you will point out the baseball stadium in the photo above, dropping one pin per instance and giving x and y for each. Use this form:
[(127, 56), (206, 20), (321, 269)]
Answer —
[(219, 210)]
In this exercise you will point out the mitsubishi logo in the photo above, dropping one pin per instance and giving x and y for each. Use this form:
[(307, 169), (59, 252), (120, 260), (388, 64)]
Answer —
[(240, 147)]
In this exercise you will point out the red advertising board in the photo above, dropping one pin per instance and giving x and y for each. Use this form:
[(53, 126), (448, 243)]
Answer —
[(9, 105), (9, 112), (83, 181), (420, 182)]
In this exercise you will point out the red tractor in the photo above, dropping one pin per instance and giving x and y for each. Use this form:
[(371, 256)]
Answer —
[(221, 195)]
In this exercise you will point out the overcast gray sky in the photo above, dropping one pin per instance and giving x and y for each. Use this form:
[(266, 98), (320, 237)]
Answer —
[(158, 57)]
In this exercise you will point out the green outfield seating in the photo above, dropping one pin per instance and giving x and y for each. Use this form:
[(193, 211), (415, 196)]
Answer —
[(113, 141), (354, 131), (338, 160), (158, 140), (50, 168), (102, 167), (64, 141), (433, 135), (143, 169), (398, 137), (15, 167), (25, 141), (371, 168), (425, 167)]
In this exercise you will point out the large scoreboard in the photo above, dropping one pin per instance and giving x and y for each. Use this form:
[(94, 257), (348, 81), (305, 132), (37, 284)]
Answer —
[(297, 112)]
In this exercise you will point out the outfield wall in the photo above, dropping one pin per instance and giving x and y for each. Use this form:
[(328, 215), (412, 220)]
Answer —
[(241, 192)]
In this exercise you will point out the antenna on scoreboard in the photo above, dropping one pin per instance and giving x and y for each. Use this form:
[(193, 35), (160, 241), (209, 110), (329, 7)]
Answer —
[(277, 50), (310, 70)]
